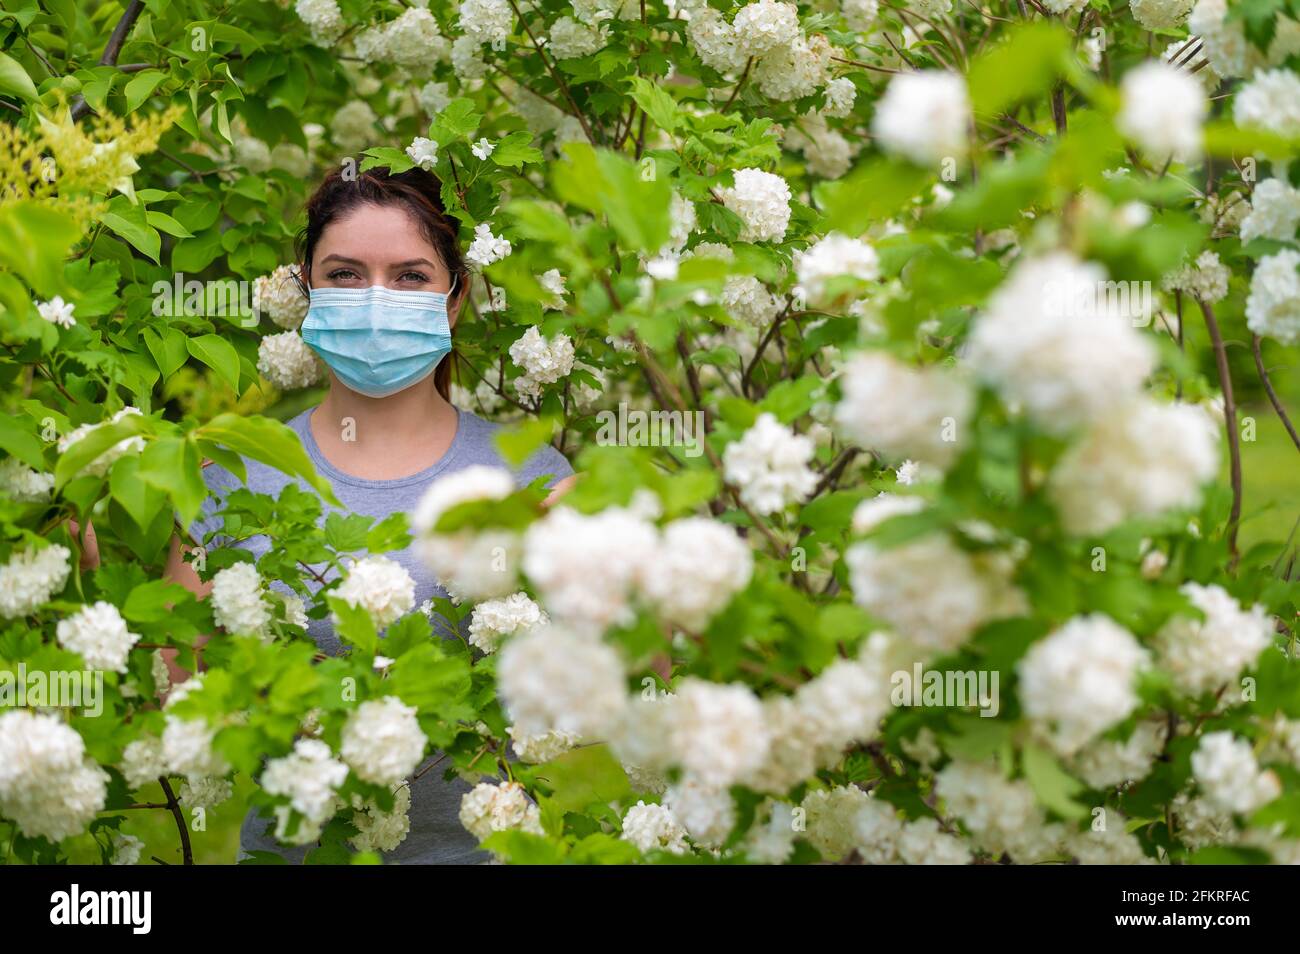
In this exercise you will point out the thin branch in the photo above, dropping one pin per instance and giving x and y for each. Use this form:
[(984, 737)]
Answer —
[(1272, 394), (1230, 418), (112, 50)]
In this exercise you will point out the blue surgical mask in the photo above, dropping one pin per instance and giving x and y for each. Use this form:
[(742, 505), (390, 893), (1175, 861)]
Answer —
[(376, 340)]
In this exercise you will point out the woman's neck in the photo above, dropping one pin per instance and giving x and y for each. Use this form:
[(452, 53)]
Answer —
[(384, 438)]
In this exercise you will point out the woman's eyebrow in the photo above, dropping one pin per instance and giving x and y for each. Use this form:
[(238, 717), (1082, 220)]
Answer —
[(413, 261), (344, 259)]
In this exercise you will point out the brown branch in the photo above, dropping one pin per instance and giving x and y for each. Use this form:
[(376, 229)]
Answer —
[(111, 51), (1230, 419), (174, 804), (1272, 394)]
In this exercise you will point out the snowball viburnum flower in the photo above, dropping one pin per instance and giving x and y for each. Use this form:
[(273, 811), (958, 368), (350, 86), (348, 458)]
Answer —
[(30, 577), (482, 149), (423, 152), (380, 586), (288, 362), (99, 634), (924, 116), (1162, 110), (762, 200), (57, 312), (486, 247), (769, 465), (382, 741)]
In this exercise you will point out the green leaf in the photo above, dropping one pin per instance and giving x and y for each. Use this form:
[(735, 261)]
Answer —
[(21, 443), (515, 150), (88, 448), (218, 354), (269, 441), (518, 442), (169, 349), (140, 499), (1022, 67), (130, 222), (14, 79), (141, 87), (172, 464), (1056, 789), (34, 241), (584, 776), (656, 102)]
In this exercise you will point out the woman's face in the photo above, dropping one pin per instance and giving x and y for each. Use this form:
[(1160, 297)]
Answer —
[(380, 245)]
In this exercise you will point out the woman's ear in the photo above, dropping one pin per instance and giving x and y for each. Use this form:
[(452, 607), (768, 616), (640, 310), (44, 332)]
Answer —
[(454, 302)]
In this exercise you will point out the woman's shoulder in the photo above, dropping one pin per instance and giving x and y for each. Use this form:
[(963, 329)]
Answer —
[(480, 447)]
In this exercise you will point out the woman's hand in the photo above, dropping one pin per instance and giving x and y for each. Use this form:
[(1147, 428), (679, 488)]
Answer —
[(561, 488)]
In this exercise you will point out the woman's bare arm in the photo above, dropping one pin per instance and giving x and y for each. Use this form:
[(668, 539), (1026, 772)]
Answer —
[(180, 571)]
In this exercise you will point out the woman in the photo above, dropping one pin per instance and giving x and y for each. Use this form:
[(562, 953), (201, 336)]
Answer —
[(387, 282)]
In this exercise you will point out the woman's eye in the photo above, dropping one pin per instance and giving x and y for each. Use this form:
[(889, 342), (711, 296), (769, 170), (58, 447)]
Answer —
[(413, 277), (342, 275)]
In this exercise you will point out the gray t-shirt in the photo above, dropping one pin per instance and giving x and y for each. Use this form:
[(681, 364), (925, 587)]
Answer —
[(436, 835)]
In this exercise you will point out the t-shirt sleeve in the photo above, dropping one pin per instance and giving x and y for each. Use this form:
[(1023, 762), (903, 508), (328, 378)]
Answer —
[(546, 460), (220, 482)]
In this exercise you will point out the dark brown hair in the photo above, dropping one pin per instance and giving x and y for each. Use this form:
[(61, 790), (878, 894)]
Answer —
[(419, 192)]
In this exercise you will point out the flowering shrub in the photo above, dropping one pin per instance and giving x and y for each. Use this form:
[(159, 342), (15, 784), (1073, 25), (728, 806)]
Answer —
[(891, 339)]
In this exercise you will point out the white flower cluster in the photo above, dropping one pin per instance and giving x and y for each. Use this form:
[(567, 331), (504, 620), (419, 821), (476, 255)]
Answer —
[(716, 733), (1056, 341), (895, 583), (654, 828), (279, 298), (489, 808), (1225, 768), (1274, 211), (1078, 681), (536, 749), (1273, 305), (99, 634), (30, 577), (323, 18), (1001, 814), (707, 813), (471, 565), (423, 152), (287, 362), (382, 741), (553, 679), (1138, 461), (204, 791), (924, 116), (49, 787), (381, 587), (187, 743), (769, 465), (698, 567), (353, 126), (105, 459), (1162, 110), (1203, 654), (493, 620), (308, 777), (57, 312), (378, 830), (22, 484), (1270, 101), (570, 39), (143, 761), (413, 39), (833, 256), (486, 21), (903, 412), (238, 599), (586, 567), (486, 247), (1160, 14), (1105, 763), (543, 360), (1205, 279), (762, 201)]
